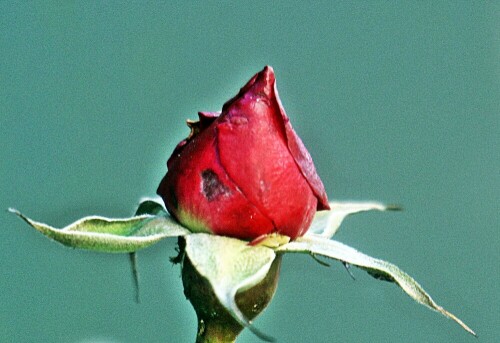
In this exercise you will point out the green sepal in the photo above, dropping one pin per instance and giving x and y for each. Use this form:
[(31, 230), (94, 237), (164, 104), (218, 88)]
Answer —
[(114, 235), (327, 223), (230, 266), (316, 245)]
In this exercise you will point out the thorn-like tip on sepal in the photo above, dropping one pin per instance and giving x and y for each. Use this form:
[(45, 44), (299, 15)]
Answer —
[(19, 214), (394, 207), (13, 210), (457, 320)]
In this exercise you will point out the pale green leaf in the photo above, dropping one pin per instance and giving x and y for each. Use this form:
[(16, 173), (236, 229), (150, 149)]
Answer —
[(327, 223), (230, 266), (317, 245), (112, 235)]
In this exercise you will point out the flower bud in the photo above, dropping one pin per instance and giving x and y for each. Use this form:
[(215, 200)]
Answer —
[(244, 172)]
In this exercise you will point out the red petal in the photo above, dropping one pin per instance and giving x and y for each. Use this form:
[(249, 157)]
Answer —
[(303, 158), (254, 152), (224, 210)]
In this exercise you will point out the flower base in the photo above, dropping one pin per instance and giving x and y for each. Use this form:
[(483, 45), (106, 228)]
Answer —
[(215, 323)]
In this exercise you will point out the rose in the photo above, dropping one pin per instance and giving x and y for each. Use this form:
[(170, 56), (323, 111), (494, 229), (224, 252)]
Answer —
[(244, 172)]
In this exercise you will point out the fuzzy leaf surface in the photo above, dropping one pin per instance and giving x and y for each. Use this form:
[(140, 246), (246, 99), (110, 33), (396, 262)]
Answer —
[(112, 235), (311, 244), (327, 223)]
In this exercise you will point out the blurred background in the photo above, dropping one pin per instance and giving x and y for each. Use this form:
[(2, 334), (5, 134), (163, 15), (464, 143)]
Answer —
[(396, 101)]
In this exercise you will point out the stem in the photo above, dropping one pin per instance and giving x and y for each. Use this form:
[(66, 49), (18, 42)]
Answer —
[(216, 332)]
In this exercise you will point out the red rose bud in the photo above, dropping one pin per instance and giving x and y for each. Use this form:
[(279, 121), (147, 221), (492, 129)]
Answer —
[(244, 172)]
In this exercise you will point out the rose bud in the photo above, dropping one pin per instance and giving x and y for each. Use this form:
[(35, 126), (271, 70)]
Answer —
[(244, 172)]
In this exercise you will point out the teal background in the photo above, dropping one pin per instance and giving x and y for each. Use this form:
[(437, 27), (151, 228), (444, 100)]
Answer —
[(396, 101)]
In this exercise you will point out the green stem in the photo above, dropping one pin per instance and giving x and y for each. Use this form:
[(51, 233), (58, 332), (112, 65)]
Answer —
[(216, 332)]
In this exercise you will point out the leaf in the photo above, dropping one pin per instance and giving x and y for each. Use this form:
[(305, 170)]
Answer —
[(327, 223), (230, 266), (150, 206), (379, 268), (112, 235)]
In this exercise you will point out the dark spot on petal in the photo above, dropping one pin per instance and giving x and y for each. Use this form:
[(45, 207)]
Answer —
[(212, 186)]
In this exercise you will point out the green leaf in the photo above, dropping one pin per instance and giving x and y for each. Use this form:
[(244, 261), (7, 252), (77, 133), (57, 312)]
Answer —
[(113, 235), (327, 223), (150, 206), (311, 244), (230, 266)]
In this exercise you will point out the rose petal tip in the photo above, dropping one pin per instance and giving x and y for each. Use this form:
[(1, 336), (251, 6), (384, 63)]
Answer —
[(268, 72), (264, 81), (268, 69)]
